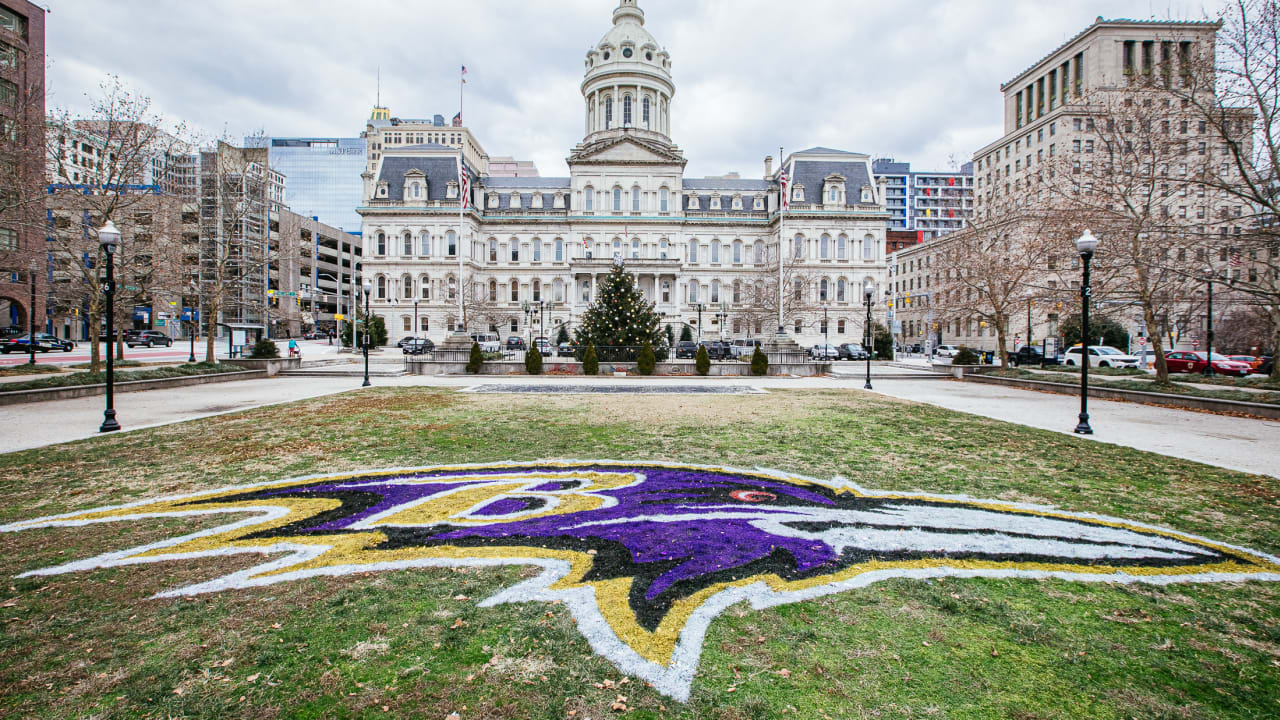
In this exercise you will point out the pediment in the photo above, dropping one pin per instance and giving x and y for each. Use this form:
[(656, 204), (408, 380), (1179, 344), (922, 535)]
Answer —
[(626, 151)]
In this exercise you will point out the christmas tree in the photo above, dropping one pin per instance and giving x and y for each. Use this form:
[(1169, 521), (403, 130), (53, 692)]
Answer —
[(620, 321)]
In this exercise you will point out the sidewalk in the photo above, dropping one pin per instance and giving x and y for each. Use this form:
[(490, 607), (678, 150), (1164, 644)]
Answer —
[(1245, 444)]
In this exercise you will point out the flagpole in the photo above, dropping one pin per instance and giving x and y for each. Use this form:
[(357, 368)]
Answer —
[(464, 189), (782, 201)]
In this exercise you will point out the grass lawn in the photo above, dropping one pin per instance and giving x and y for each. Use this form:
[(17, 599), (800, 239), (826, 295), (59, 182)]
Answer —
[(415, 643)]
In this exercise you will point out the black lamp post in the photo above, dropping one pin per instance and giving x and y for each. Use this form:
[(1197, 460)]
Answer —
[(1085, 244), (415, 319), (826, 335), (1208, 365), (699, 306), (368, 290), (866, 297), (542, 320), (32, 267), (109, 238), (528, 325)]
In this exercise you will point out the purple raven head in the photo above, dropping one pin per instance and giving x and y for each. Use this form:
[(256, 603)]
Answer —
[(677, 530)]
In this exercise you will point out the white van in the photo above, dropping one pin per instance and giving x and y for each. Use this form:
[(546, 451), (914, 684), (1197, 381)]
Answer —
[(744, 346), (488, 342)]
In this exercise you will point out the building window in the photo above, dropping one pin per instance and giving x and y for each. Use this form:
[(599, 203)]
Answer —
[(824, 246), (842, 248), (515, 249), (559, 250), (626, 111), (608, 113), (617, 199), (537, 250), (537, 290), (715, 252), (715, 291), (425, 243), (840, 327), (8, 239), (382, 288), (798, 253), (381, 248), (407, 289), (693, 291), (797, 327), (406, 244), (737, 252), (424, 285), (662, 200), (757, 252), (635, 198), (588, 198), (644, 109), (693, 251), (451, 240), (822, 290), (515, 290), (868, 248), (798, 289), (493, 250)]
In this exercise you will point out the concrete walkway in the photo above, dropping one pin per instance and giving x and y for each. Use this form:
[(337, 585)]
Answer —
[(1245, 444)]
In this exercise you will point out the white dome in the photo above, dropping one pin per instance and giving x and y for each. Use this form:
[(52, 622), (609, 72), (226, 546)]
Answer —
[(628, 67), (628, 47)]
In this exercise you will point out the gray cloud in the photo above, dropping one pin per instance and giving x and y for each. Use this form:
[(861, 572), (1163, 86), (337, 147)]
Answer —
[(914, 80)]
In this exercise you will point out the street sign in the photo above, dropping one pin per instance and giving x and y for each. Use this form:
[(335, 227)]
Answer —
[(131, 288), (160, 322), (339, 316), (1142, 341)]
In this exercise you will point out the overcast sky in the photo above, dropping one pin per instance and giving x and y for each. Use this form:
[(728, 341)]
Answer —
[(917, 81)]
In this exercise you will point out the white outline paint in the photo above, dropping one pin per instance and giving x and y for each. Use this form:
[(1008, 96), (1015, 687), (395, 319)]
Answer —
[(674, 680)]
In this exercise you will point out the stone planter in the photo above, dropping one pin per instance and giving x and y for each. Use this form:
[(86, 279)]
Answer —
[(273, 366), (619, 369)]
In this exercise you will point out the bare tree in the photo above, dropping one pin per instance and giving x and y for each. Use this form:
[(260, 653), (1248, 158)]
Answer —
[(990, 270), (1139, 185), (1235, 99), (128, 140), (482, 303), (758, 303)]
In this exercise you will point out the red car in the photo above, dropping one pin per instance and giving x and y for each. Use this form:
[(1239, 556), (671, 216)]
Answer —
[(1194, 362)]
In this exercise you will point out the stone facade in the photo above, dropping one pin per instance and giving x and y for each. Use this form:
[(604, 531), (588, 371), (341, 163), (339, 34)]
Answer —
[(703, 249)]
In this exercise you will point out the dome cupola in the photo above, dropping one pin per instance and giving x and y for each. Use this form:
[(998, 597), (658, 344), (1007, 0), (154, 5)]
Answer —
[(627, 86)]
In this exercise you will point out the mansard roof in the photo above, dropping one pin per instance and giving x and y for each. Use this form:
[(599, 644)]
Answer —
[(730, 184), (439, 171), (812, 173)]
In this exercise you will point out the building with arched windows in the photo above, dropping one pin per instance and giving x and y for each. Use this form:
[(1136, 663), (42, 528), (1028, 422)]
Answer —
[(709, 243)]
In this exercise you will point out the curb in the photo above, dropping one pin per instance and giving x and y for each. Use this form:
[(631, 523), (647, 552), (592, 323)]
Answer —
[(15, 397), (1184, 402)]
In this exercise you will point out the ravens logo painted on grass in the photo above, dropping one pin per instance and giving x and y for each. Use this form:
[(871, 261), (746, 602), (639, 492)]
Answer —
[(646, 554)]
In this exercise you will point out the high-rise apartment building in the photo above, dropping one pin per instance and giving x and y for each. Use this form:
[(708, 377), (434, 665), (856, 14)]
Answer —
[(933, 203), (21, 167)]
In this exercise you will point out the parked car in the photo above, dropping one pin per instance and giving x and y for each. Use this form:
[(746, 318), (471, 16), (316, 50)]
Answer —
[(488, 342), (543, 345), (405, 341), (417, 346), (686, 349), (717, 350), (515, 342), (946, 351), (565, 350), (1252, 361), (1030, 355), (55, 342), (824, 352), (852, 351), (309, 335), (744, 347), (1193, 362), (150, 338), (1100, 356)]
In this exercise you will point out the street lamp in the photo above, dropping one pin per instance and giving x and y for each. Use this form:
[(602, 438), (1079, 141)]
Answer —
[(368, 290), (528, 325), (700, 306), (1085, 245), (867, 291), (826, 335), (1208, 365), (32, 267), (415, 319), (109, 238)]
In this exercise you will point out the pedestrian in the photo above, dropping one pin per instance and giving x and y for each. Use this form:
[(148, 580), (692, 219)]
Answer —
[(293, 348), (330, 336)]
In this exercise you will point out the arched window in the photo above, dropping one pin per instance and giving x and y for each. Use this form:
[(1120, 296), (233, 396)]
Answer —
[(406, 244), (381, 247), (451, 242), (424, 287), (799, 289), (693, 291), (452, 283), (493, 250), (824, 247), (737, 292), (406, 290), (842, 248), (822, 290), (424, 322), (715, 291), (693, 251), (588, 198), (537, 290), (757, 252), (799, 251), (515, 290), (644, 111), (662, 248), (715, 251), (617, 248), (559, 250), (558, 290), (662, 200), (515, 249), (737, 252), (382, 288), (608, 113), (617, 199), (840, 290), (868, 248), (635, 198), (425, 243), (635, 248), (626, 110), (493, 291), (537, 250)]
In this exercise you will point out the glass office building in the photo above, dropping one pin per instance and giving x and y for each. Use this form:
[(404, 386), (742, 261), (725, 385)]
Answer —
[(322, 177)]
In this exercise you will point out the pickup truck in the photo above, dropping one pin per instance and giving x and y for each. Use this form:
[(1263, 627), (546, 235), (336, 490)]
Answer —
[(1029, 355)]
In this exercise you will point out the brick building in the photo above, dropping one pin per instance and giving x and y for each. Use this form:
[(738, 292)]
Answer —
[(21, 161)]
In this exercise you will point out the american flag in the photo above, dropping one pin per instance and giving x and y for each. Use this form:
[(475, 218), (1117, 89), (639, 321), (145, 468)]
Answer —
[(1235, 258), (464, 74), (464, 182), (784, 183)]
